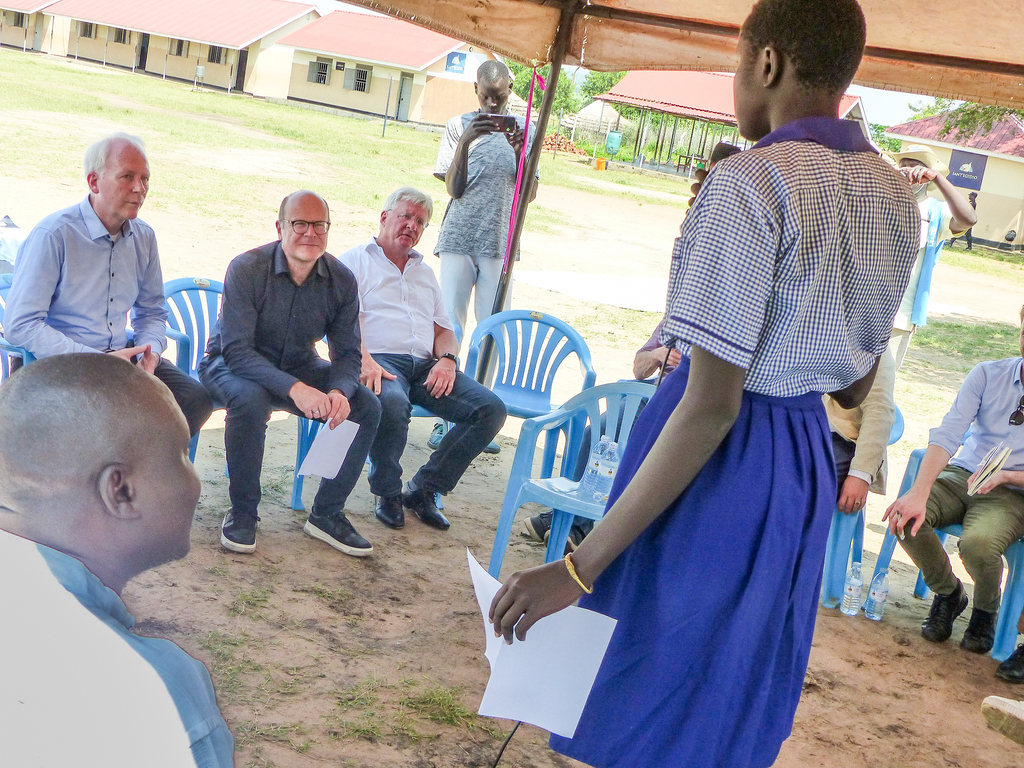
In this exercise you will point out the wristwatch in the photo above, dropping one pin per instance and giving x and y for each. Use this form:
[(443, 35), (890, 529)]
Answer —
[(451, 357)]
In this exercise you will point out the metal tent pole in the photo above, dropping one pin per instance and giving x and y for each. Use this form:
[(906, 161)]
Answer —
[(565, 24)]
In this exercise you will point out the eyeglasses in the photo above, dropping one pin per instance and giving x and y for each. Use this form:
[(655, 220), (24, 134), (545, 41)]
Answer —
[(419, 221), (1017, 417), (300, 227)]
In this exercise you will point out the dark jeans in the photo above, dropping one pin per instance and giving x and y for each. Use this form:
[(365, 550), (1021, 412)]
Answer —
[(476, 412), (245, 430), (190, 395), (842, 452), (968, 234)]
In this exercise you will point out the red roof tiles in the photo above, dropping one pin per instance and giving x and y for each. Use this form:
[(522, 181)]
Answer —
[(1006, 136), (371, 37), (703, 95), (225, 23), (24, 6)]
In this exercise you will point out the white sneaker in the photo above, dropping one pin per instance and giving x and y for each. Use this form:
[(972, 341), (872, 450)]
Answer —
[(1005, 716)]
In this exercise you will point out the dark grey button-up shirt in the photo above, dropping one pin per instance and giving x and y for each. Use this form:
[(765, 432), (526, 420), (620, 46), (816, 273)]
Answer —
[(268, 324)]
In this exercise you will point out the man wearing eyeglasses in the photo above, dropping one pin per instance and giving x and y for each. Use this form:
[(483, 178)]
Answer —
[(991, 404), (279, 300), (409, 358)]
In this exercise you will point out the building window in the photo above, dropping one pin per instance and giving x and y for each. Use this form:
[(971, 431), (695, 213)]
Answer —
[(179, 48), (215, 55), (86, 29), (20, 20), (357, 78), (320, 71), (122, 36)]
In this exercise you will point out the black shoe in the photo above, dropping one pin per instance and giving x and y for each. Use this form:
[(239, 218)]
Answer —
[(238, 534), (337, 531), (537, 528), (981, 632), (390, 512), (945, 608), (423, 504), (1012, 670)]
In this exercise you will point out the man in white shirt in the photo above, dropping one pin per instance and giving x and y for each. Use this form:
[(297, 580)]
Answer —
[(940, 219), (409, 358)]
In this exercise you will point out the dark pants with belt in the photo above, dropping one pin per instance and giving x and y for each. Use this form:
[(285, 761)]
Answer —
[(249, 406), (476, 412), (189, 394)]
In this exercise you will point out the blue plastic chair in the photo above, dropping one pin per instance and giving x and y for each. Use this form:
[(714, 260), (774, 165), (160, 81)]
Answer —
[(1012, 603), (7, 350), (845, 535), (619, 404), (529, 348)]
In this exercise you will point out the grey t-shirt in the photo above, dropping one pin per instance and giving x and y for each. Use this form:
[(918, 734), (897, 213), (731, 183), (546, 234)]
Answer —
[(477, 223)]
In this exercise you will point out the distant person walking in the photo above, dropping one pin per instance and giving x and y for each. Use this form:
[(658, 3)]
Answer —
[(973, 198)]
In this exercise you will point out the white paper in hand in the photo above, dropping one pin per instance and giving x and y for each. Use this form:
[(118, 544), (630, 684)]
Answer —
[(544, 680), (329, 450)]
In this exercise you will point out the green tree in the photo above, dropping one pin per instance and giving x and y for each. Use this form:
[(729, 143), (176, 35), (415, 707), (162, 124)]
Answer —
[(566, 99), (597, 83), (883, 141), (963, 119), (922, 109)]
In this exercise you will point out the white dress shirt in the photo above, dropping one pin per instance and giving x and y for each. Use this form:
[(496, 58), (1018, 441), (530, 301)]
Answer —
[(397, 308)]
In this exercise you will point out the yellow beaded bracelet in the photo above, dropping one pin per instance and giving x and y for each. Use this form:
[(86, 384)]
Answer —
[(575, 576)]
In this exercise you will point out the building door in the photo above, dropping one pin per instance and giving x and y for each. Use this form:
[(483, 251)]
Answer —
[(404, 97), (243, 59), (37, 44), (143, 51)]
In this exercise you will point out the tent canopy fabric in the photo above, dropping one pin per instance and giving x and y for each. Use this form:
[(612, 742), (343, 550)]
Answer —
[(918, 46)]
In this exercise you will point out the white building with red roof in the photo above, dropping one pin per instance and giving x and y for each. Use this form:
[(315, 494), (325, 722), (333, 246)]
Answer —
[(990, 162), (375, 65), (226, 38), (23, 24)]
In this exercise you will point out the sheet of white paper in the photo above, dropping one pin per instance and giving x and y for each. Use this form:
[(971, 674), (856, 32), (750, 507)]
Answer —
[(544, 680), (329, 450)]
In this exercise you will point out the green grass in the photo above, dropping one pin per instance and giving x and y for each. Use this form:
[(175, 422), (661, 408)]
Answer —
[(972, 342), (249, 601)]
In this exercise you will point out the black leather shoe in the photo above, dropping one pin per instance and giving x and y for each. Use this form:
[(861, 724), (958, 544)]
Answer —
[(338, 532), (238, 533), (390, 512), (423, 505), (981, 632), (1012, 670), (945, 608)]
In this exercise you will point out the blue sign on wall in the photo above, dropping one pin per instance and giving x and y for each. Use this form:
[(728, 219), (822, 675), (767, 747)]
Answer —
[(456, 63), (967, 169)]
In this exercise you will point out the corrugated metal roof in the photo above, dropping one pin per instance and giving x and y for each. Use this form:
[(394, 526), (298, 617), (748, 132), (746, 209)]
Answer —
[(701, 95), (24, 6), (1006, 136), (225, 23), (374, 38)]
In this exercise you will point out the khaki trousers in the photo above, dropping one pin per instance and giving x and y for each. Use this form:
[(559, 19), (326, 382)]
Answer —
[(991, 524)]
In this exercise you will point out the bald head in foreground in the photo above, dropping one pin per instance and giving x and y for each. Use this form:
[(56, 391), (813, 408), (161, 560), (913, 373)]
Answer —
[(95, 488)]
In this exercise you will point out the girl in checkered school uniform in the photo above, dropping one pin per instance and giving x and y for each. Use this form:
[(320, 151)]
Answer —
[(784, 283)]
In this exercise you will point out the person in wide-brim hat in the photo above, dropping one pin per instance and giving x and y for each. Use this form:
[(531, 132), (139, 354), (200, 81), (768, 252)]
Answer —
[(923, 155)]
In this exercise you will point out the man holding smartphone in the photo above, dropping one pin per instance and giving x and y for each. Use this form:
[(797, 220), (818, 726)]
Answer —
[(478, 162)]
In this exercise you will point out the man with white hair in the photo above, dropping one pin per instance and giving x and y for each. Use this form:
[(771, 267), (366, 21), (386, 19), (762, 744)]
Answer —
[(83, 269), (409, 354)]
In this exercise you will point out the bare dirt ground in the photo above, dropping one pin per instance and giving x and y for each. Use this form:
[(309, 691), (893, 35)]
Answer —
[(323, 659)]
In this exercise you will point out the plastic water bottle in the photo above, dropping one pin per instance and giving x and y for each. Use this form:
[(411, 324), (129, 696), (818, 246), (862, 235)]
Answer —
[(588, 483), (608, 466), (879, 590), (852, 590)]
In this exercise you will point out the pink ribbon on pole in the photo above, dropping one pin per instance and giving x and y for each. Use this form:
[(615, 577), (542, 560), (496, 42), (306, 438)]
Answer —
[(522, 164)]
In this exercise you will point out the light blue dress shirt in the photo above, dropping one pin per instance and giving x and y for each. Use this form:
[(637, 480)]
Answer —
[(187, 680), (74, 286), (989, 394)]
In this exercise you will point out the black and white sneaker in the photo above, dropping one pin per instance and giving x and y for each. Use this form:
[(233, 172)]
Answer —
[(337, 531), (238, 533)]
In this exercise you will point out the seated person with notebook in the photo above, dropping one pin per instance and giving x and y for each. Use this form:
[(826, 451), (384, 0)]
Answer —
[(991, 403)]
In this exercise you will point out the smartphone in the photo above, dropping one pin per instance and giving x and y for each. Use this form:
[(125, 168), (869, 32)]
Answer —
[(506, 123)]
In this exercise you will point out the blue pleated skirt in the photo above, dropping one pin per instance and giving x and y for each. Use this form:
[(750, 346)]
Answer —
[(716, 600)]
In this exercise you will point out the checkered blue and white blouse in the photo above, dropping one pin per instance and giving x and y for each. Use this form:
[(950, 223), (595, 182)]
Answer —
[(793, 260)]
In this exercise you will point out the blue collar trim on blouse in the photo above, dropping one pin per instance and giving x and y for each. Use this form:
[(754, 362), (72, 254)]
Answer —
[(830, 132)]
